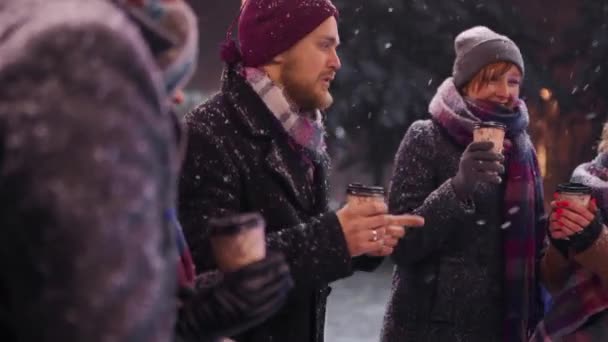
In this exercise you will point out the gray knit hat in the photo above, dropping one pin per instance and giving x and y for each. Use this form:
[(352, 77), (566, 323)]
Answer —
[(479, 46)]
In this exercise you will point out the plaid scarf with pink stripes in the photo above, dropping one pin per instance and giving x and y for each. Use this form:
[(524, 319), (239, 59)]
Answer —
[(305, 128)]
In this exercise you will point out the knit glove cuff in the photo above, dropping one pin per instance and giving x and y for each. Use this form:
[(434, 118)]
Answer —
[(583, 240), (561, 245)]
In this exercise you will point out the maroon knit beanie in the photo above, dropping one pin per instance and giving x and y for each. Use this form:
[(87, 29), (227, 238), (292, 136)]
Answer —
[(269, 27)]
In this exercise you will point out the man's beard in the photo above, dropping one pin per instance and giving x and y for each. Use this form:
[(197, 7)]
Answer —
[(303, 94)]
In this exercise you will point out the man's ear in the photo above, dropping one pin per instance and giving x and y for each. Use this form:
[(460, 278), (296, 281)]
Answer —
[(279, 59)]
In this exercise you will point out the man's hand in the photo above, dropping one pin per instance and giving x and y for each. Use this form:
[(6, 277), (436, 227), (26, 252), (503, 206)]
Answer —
[(368, 229), (395, 232)]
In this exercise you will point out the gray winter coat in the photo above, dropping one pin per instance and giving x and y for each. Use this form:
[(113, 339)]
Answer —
[(447, 285)]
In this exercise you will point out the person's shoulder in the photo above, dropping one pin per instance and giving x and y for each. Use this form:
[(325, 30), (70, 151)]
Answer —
[(211, 116), (582, 175), (421, 130), (92, 46), (43, 15), (422, 126), (215, 105), (71, 30)]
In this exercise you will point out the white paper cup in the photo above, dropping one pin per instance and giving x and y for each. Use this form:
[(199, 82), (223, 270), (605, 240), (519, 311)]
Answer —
[(358, 194), (490, 131), (238, 241), (574, 193)]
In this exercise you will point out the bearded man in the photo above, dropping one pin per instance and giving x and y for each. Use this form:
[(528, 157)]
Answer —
[(258, 145)]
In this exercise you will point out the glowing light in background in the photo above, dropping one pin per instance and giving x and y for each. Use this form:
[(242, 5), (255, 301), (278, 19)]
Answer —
[(546, 94), (541, 153)]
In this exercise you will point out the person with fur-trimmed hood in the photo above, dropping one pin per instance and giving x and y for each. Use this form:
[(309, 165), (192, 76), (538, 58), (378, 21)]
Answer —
[(89, 155), (88, 158)]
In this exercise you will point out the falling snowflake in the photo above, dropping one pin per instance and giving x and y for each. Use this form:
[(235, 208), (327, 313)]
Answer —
[(340, 132), (514, 210)]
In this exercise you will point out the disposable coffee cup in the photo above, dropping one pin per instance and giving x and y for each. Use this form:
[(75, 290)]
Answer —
[(237, 240), (490, 131), (357, 193), (574, 193)]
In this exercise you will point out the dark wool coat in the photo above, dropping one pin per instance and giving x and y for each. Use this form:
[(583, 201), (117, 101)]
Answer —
[(240, 159)]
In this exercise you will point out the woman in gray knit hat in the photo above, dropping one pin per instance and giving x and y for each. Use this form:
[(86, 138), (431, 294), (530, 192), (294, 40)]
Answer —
[(470, 275)]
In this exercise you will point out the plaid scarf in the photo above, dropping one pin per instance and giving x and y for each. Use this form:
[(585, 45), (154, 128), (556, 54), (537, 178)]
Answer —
[(185, 269), (306, 128), (594, 330), (580, 310), (523, 209)]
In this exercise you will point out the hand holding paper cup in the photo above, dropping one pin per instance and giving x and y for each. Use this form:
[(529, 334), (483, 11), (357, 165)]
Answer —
[(571, 210), (574, 192), (358, 195)]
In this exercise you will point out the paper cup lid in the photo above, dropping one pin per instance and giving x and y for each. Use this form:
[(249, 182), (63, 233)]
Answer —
[(233, 224), (490, 124), (576, 188), (358, 189)]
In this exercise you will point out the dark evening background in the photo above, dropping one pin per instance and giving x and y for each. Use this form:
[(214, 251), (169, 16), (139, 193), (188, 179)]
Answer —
[(394, 56)]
